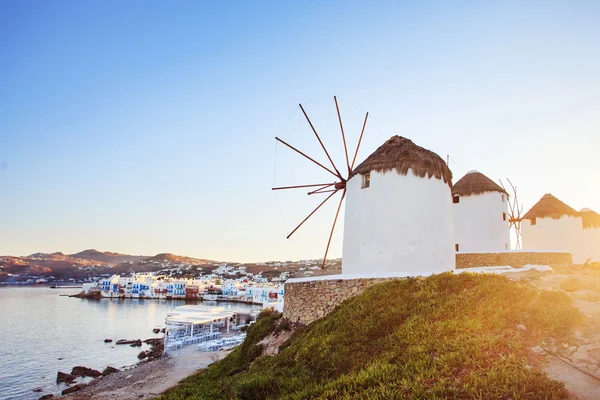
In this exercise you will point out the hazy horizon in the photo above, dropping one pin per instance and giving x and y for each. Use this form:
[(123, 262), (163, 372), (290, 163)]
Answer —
[(148, 127)]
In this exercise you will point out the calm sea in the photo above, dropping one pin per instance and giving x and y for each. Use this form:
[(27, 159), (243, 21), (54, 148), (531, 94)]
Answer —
[(42, 333)]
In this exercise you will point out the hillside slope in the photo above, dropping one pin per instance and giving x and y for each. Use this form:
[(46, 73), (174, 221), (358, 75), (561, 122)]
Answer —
[(446, 336), (106, 257)]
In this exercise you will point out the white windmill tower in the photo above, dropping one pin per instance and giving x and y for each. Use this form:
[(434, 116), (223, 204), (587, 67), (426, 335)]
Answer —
[(481, 220), (399, 213)]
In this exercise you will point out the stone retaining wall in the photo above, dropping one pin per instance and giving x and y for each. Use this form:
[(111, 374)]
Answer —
[(515, 259), (309, 300)]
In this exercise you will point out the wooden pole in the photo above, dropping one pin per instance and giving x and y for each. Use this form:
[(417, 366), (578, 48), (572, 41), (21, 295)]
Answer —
[(319, 139), (324, 191), (343, 135), (319, 190), (359, 140), (310, 215), (303, 186), (333, 228), (301, 153)]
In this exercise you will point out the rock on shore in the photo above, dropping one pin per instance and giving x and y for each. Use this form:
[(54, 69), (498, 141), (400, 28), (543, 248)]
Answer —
[(84, 371), (64, 377)]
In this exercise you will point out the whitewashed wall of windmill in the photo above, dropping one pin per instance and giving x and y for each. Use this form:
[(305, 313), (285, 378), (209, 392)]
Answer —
[(564, 234), (591, 242), (398, 224), (479, 225)]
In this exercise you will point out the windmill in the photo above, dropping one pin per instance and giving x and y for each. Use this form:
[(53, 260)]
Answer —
[(338, 185), (515, 211)]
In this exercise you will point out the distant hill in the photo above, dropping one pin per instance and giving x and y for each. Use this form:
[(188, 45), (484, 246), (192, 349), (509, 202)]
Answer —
[(49, 256), (106, 257), (175, 259)]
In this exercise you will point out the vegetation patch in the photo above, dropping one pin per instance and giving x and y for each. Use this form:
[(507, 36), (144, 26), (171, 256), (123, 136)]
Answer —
[(446, 336)]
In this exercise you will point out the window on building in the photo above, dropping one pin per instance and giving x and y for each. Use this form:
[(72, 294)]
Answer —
[(503, 216), (503, 199), (366, 180), (505, 246), (456, 247), (455, 199), (533, 221)]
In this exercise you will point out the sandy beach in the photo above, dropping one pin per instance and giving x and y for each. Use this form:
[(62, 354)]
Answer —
[(150, 379)]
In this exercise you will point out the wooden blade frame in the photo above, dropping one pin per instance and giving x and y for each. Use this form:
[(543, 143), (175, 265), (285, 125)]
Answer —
[(303, 186), (321, 143), (359, 141), (326, 187), (337, 213), (337, 107), (311, 214), (301, 153)]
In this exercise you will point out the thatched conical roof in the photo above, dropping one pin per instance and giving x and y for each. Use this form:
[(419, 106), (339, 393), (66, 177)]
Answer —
[(591, 219), (550, 206), (400, 153), (474, 182)]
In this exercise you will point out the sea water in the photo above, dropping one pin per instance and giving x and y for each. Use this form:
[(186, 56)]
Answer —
[(42, 331)]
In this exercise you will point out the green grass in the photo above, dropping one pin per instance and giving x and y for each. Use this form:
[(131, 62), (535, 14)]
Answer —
[(446, 336)]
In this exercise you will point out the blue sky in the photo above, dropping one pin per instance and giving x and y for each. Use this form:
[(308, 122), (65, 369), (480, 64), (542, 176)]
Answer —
[(144, 127)]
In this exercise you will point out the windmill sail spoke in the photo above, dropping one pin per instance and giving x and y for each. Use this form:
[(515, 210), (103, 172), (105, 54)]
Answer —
[(359, 141), (311, 214), (333, 228), (301, 153), (324, 191), (320, 142), (323, 185), (320, 190), (343, 135)]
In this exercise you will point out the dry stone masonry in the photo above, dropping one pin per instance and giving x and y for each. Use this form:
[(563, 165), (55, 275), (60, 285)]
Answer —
[(307, 301), (515, 259)]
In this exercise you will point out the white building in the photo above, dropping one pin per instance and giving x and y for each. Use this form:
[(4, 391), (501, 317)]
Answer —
[(399, 213), (480, 207), (591, 234), (553, 225)]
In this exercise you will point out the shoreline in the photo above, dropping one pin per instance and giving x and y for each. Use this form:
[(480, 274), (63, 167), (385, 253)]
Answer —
[(96, 297), (149, 379)]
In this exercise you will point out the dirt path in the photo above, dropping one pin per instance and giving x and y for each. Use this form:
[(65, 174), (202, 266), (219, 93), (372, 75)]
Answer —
[(581, 386), (148, 380)]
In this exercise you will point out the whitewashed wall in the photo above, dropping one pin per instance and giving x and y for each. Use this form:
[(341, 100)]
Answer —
[(398, 224), (478, 224), (565, 234), (591, 242)]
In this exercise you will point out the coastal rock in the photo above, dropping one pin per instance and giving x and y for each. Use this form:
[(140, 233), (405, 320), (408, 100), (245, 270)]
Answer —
[(137, 343), (130, 342), (156, 330), (46, 397), (75, 388), (38, 390), (156, 348), (142, 355), (109, 370), (64, 377), (84, 371), (107, 340)]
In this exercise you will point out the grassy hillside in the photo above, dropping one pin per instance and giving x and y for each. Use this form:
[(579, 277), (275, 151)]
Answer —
[(447, 336)]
